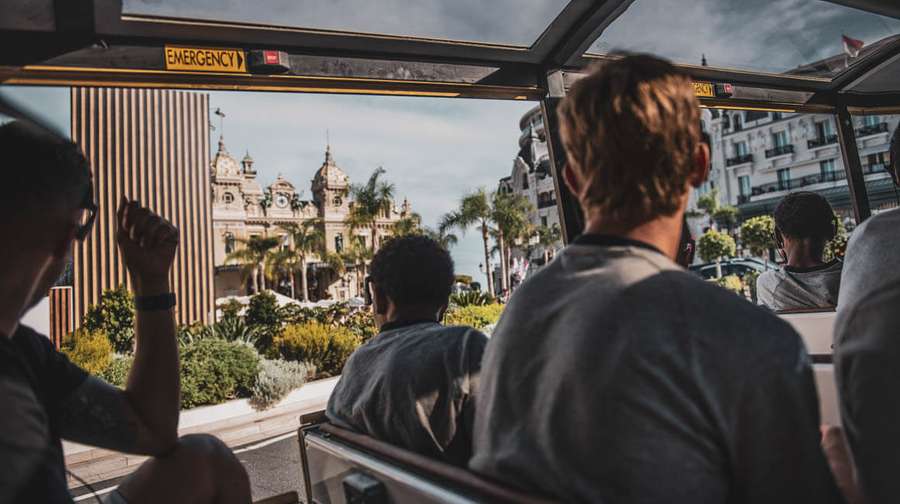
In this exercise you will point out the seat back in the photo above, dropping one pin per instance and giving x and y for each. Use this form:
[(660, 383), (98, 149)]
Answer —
[(817, 330), (338, 463)]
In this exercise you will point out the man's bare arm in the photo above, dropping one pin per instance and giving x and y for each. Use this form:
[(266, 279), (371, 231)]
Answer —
[(144, 417)]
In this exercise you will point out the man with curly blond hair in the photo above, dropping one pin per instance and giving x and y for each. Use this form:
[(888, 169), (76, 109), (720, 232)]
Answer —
[(615, 375)]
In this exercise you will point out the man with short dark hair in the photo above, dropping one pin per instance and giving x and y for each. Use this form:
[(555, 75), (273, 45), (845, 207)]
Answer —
[(47, 203), (615, 375), (867, 348), (414, 384), (804, 224)]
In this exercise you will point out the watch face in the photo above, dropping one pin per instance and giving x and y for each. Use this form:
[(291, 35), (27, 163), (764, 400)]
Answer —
[(281, 200)]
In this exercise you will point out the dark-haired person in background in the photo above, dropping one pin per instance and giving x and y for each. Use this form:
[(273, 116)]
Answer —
[(867, 349), (414, 384), (47, 203), (804, 224)]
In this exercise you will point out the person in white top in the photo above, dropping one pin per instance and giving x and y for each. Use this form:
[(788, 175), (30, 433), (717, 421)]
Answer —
[(804, 224)]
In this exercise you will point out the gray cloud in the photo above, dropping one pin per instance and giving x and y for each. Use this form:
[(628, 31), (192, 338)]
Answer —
[(766, 35), (517, 22), (434, 150)]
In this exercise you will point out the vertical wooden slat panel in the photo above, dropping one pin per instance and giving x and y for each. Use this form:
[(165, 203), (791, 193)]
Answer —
[(152, 145)]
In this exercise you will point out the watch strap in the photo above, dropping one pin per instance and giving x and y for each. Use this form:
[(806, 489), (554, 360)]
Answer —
[(158, 302)]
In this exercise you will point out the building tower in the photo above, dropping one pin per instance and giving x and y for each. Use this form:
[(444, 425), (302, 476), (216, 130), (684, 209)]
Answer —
[(330, 189), (153, 146)]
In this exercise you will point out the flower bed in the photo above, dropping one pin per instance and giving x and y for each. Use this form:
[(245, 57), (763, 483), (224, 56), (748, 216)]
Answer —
[(261, 354)]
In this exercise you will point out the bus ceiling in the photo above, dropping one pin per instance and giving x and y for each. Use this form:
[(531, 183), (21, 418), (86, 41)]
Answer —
[(293, 47)]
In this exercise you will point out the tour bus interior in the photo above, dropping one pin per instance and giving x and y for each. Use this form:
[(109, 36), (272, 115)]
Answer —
[(795, 95)]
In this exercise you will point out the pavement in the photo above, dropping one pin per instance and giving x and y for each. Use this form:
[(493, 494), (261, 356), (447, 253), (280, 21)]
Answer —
[(272, 464)]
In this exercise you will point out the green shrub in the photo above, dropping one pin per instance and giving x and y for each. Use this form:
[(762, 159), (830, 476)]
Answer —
[(749, 280), (214, 370), (358, 320), (231, 308), (325, 347), (470, 298), (732, 283), (361, 323), (758, 235), (479, 317), (263, 316), (117, 371), (714, 245), (276, 379), (90, 350), (114, 315)]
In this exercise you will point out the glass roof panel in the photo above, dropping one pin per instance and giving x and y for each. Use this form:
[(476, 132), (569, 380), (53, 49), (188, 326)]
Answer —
[(798, 37), (507, 22)]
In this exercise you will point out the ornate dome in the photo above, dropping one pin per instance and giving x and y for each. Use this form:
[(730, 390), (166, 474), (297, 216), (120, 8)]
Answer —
[(223, 164), (329, 174)]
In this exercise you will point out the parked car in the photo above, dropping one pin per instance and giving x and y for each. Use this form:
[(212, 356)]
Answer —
[(737, 266)]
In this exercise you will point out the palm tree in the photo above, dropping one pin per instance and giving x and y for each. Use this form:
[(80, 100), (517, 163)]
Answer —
[(475, 210), (252, 256), (280, 263), (409, 225), (307, 239), (547, 237), (359, 255), (510, 214), (442, 234), (371, 201)]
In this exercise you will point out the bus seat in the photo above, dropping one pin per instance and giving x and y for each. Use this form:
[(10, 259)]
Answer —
[(285, 498), (816, 327), (340, 466)]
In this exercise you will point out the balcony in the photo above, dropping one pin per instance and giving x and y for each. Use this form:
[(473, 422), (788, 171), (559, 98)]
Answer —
[(797, 183), (821, 141), (874, 129), (546, 202), (745, 158), (780, 150)]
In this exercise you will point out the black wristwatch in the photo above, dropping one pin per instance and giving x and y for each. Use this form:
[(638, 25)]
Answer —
[(155, 303)]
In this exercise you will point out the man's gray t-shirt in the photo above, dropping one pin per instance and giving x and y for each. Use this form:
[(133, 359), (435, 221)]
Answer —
[(867, 353), (614, 376), (794, 288), (413, 385)]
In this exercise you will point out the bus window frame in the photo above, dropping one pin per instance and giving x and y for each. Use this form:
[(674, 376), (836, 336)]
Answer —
[(91, 43)]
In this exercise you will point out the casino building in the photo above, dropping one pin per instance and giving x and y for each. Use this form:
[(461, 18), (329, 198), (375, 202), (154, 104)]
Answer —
[(243, 208)]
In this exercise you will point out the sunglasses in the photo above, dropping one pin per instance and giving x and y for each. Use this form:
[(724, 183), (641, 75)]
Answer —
[(86, 222)]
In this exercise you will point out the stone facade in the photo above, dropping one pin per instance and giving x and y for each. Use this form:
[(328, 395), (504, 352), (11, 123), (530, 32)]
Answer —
[(759, 157), (532, 178), (243, 208)]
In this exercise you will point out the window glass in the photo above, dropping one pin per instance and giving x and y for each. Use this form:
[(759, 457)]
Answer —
[(757, 35), (313, 244), (512, 22), (873, 139)]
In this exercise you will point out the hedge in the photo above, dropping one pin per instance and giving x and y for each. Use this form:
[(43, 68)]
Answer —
[(214, 370), (325, 347)]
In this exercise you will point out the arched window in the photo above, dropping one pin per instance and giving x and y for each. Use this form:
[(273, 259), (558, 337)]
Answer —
[(229, 243), (339, 243)]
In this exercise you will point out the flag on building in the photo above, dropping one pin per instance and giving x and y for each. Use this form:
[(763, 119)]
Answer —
[(852, 46)]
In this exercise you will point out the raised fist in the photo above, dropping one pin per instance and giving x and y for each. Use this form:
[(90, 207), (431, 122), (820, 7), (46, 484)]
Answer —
[(147, 242)]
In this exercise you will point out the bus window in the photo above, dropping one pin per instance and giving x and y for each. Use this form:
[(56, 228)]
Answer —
[(281, 201), (752, 169), (873, 140)]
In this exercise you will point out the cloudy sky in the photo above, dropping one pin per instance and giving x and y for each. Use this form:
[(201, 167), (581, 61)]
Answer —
[(517, 22), (434, 150), (768, 35)]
